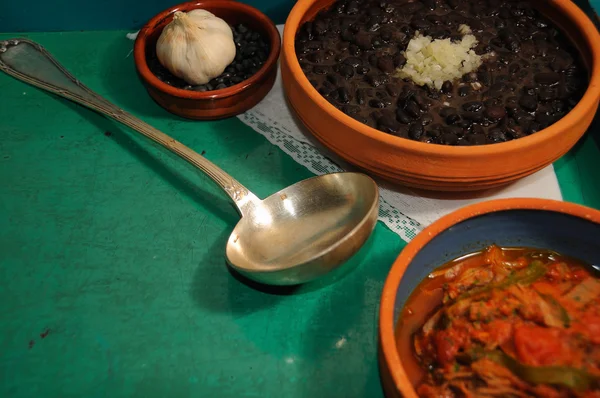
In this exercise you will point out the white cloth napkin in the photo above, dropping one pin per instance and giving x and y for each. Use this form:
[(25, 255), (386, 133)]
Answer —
[(403, 211)]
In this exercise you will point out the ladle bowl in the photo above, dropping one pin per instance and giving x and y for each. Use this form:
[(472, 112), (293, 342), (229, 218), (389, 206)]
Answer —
[(294, 236)]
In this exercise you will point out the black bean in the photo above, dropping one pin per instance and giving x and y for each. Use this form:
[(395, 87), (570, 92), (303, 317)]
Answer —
[(402, 116), (426, 119), (415, 131), (373, 58), (361, 96), (558, 106), (388, 124), (333, 79), (399, 60), (385, 64), (534, 127), (464, 91), (473, 106), (476, 117), (320, 27), (393, 90), (447, 87), (375, 103), (315, 57), (453, 3), (347, 35), (470, 77), (352, 7), (199, 88), (430, 4), (495, 112), (346, 71), (497, 135), (476, 139), (528, 102), (547, 78), (413, 109), (543, 119), (343, 95), (449, 139), (376, 80), (546, 94), (350, 109), (452, 118), (420, 24), (363, 41), (445, 111), (362, 69), (491, 102)]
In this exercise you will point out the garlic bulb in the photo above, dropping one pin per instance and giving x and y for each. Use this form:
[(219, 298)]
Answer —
[(196, 46)]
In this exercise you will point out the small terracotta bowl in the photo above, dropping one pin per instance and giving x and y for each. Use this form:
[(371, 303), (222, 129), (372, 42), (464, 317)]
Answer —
[(216, 104), (564, 227), (440, 167)]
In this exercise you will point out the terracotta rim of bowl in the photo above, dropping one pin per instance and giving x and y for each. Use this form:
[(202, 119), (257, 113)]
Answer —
[(139, 51), (388, 297), (583, 107)]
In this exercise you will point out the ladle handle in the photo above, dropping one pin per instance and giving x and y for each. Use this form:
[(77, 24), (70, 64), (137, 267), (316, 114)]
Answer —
[(30, 62)]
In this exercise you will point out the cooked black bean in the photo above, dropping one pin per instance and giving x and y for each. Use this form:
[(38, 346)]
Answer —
[(464, 91), (388, 124), (528, 102), (346, 71), (361, 96), (416, 130), (413, 109), (393, 90), (497, 135), (403, 117), (426, 119), (375, 103), (452, 118), (495, 112), (375, 80), (545, 94), (351, 52), (473, 106), (472, 116), (399, 60), (343, 95), (444, 112), (547, 78), (449, 138), (447, 87), (350, 109), (386, 64)]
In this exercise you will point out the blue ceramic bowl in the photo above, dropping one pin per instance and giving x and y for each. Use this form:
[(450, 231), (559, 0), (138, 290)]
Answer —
[(567, 228)]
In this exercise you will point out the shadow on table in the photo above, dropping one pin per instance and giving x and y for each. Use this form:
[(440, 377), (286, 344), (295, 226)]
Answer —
[(219, 288), (219, 206), (342, 334)]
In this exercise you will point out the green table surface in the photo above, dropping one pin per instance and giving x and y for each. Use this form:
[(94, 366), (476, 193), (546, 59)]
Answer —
[(112, 275)]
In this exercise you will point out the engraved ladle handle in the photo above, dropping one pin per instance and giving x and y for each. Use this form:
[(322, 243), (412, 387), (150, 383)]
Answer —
[(30, 62)]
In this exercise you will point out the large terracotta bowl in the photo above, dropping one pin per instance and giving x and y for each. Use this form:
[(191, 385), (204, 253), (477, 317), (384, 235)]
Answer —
[(440, 167), (564, 227), (216, 104)]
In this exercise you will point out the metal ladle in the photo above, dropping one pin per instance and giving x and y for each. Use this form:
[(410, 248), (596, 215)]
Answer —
[(293, 236)]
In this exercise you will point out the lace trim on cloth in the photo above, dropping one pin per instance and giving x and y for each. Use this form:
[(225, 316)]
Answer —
[(313, 160)]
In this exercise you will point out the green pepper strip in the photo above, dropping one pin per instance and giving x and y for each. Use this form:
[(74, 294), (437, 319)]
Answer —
[(562, 313), (526, 276), (576, 379)]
